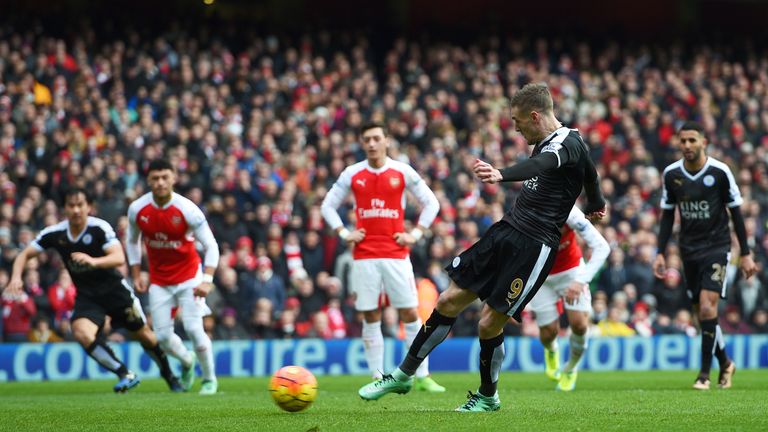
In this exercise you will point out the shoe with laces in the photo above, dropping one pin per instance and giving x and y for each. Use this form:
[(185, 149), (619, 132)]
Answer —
[(701, 384), (427, 384), (209, 387), (552, 364), (479, 403), (725, 380), (127, 382), (387, 384), (567, 381), (175, 385)]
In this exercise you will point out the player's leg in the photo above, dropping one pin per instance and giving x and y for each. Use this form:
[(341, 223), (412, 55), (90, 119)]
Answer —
[(192, 312), (450, 303), (578, 318), (526, 264), (400, 287), (490, 331), (161, 302), (412, 324), (148, 340), (544, 306), (365, 280), (711, 284), (85, 331), (125, 311), (373, 342), (579, 340)]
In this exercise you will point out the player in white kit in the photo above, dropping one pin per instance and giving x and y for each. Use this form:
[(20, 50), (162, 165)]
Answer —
[(569, 280), (169, 225), (381, 247)]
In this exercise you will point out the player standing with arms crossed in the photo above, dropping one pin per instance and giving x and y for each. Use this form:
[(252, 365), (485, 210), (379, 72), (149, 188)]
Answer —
[(703, 188), (380, 245), (569, 279), (169, 224), (91, 252)]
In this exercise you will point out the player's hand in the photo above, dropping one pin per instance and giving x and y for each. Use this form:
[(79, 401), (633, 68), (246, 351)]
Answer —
[(573, 292), (660, 266), (486, 173), (748, 266), (139, 286), (14, 288), (597, 214), (355, 237), (203, 289), (83, 259), (404, 239)]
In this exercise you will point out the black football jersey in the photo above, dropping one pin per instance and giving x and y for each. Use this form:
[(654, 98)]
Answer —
[(97, 236), (545, 201), (702, 199)]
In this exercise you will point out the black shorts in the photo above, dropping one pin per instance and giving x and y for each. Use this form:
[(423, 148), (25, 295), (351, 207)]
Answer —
[(706, 273), (505, 268), (117, 301)]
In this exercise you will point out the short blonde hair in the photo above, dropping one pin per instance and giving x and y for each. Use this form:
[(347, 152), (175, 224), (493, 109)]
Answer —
[(533, 97)]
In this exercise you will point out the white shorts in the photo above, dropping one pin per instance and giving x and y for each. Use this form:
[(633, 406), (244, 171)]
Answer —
[(162, 300), (394, 277), (544, 304)]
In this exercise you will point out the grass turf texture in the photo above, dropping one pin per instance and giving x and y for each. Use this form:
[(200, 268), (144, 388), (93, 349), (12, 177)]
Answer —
[(602, 401)]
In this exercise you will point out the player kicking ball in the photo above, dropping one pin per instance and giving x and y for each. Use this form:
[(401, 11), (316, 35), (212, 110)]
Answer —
[(506, 267), (569, 280), (91, 252)]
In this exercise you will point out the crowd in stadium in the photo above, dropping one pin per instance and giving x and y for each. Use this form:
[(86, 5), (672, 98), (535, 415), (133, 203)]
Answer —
[(260, 132)]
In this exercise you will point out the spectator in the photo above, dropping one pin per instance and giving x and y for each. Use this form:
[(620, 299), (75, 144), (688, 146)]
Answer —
[(732, 322), (18, 311), (759, 321), (41, 331), (62, 296), (228, 327), (613, 325)]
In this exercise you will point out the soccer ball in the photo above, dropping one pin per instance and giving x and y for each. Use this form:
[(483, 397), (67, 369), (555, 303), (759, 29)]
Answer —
[(293, 388)]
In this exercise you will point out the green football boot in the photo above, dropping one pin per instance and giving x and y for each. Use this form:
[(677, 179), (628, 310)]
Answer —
[(387, 384), (479, 403)]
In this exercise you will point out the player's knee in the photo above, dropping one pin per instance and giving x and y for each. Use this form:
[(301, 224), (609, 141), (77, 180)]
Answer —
[(164, 336), (197, 335), (83, 336), (579, 328), (446, 305), (548, 332), (408, 315), (488, 328)]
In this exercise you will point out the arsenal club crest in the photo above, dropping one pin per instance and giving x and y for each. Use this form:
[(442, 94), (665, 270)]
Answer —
[(175, 220), (394, 181)]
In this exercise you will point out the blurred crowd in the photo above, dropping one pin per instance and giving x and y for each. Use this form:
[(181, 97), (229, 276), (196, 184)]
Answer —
[(260, 133)]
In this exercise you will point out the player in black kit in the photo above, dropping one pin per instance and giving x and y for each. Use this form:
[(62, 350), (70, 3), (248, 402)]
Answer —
[(703, 188), (509, 263), (91, 252)]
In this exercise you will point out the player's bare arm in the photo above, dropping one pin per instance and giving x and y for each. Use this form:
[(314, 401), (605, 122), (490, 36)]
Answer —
[(16, 284)]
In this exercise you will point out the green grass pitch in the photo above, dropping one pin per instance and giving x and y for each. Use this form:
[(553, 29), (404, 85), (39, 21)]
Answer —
[(626, 401)]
